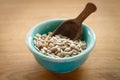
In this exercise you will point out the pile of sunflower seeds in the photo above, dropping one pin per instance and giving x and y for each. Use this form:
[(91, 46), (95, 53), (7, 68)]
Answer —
[(58, 46)]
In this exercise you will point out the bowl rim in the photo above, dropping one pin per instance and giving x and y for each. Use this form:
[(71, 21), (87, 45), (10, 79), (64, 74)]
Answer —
[(66, 59)]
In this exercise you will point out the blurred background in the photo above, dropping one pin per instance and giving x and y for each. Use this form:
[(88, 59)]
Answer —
[(17, 17)]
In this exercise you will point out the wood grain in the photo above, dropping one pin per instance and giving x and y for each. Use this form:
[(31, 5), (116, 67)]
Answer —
[(18, 16)]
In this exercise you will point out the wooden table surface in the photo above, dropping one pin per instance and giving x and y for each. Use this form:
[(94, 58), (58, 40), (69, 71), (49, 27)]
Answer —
[(18, 16)]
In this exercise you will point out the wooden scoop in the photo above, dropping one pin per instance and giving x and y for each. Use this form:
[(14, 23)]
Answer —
[(73, 28)]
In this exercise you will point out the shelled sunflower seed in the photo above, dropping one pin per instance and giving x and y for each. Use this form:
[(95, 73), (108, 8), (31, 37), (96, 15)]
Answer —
[(58, 46)]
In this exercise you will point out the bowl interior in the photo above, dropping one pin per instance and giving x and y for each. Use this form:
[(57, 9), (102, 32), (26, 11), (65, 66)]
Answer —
[(49, 26)]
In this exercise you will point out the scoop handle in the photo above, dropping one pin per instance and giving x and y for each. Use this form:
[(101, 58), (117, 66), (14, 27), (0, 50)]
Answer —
[(90, 8)]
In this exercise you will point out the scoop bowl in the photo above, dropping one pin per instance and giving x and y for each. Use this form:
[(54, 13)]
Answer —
[(60, 65)]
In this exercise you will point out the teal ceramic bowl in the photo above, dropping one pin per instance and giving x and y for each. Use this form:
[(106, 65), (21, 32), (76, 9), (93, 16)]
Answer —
[(60, 65)]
